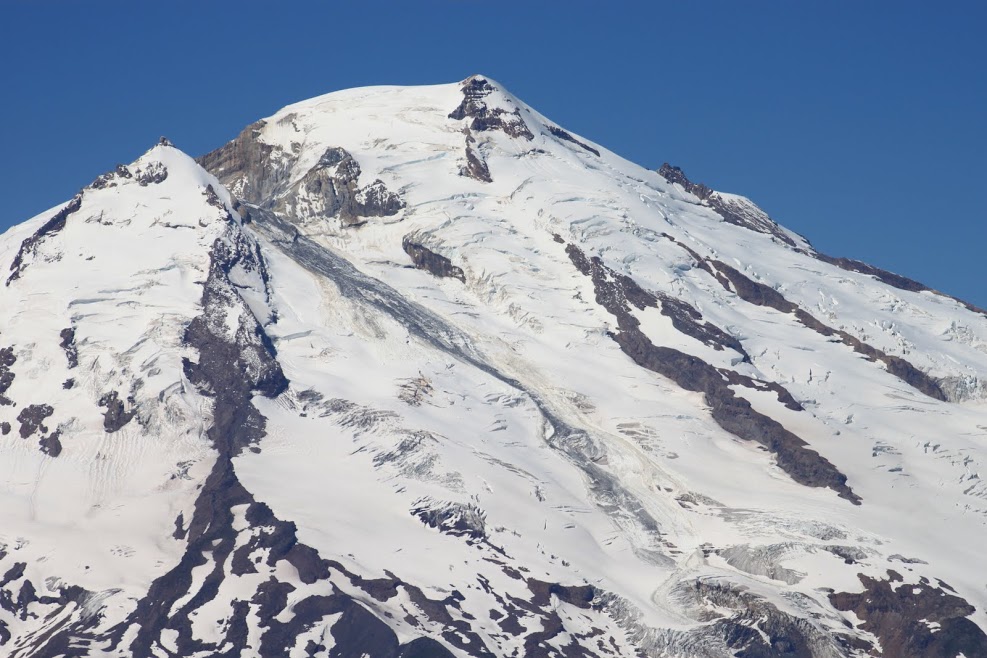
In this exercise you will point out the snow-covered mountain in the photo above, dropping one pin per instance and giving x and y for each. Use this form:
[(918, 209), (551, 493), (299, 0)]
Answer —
[(415, 372)]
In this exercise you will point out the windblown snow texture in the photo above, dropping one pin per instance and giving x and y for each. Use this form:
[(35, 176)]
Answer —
[(404, 372)]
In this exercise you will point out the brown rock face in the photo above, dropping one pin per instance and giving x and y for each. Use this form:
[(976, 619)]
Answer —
[(476, 166), (481, 117), (914, 621), (30, 246), (566, 137), (260, 175), (436, 264), (251, 168)]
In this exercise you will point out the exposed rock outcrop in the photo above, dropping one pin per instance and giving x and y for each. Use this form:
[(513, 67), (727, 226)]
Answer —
[(759, 294), (116, 415), (482, 117), (741, 212), (330, 190), (476, 166), (51, 445), (566, 137), (732, 211), (111, 178), (230, 369), (151, 174), (426, 259), (7, 360), (252, 170), (690, 322), (914, 620), (32, 418), (456, 519), (617, 293), (260, 174), (68, 345), (890, 278), (29, 248)]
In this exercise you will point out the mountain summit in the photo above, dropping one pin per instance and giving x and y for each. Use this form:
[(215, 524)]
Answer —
[(409, 372)]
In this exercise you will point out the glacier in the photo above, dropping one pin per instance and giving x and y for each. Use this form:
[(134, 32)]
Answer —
[(415, 371)]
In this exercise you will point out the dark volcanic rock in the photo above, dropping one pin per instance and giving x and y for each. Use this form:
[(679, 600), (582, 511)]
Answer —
[(32, 418), (50, 445), (684, 317), (230, 370), (180, 530), (690, 322), (425, 259), (57, 640), (68, 346), (900, 616), (539, 611), (675, 175), (360, 633), (563, 135), (755, 220), (476, 166), (110, 178), (16, 572), (580, 595), (456, 519), (152, 174), (375, 200), (348, 170), (212, 198), (754, 628), (424, 647), (29, 247), (740, 215), (116, 415), (895, 365), (734, 414), (482, 118), (761, 295), (7, 359), (890, 278)]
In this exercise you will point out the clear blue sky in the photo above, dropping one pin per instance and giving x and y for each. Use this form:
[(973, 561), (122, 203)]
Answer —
[(862, 125)]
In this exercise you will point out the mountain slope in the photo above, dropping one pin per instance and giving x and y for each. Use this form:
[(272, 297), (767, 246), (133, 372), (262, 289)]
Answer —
[(417, 372)]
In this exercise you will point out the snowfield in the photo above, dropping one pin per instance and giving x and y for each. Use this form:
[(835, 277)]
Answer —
[(413, 371)]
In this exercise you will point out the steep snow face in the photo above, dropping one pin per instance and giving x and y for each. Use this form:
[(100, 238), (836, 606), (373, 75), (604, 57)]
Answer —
[(103, 439), (438, 377), (93, 317)]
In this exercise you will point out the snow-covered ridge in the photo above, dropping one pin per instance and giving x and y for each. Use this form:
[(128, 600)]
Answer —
[(416, 371)]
